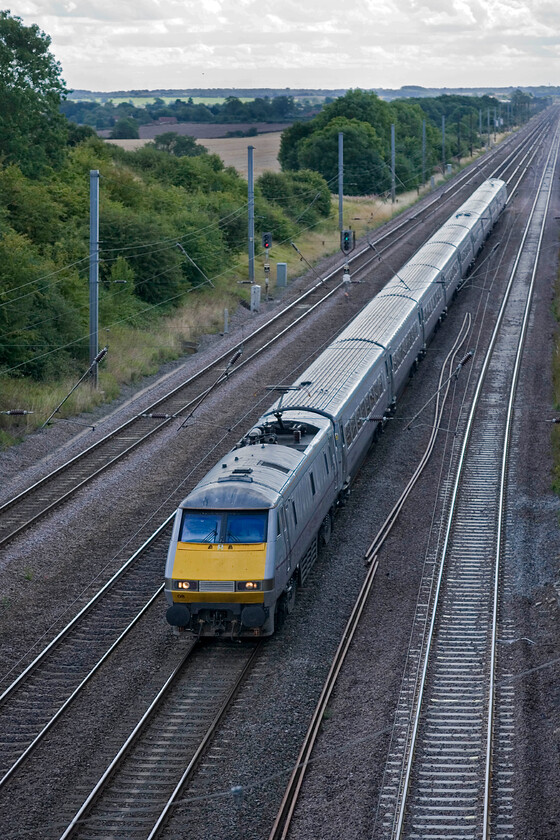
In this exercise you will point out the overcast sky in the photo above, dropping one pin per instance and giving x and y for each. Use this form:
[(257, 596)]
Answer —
[(135, 44)]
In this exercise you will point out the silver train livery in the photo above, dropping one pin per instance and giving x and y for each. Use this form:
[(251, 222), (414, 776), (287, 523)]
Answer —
[(249, 532)]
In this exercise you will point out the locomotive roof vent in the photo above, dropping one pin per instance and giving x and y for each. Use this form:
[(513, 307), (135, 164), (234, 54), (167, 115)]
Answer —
[(275, 466)]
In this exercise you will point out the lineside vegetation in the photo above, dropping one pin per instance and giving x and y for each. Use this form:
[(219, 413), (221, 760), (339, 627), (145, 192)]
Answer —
[(140, 345), (152, 298)]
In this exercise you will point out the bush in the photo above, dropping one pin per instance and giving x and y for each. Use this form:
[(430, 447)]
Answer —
[(303, 196)]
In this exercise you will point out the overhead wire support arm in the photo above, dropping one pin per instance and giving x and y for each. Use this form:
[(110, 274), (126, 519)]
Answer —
[(198, 268), (93, 367), (382, 259), (308, 264), (221, 377)]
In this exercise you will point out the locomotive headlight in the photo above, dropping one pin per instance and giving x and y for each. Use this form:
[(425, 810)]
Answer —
[(186, 584), (248, 585)]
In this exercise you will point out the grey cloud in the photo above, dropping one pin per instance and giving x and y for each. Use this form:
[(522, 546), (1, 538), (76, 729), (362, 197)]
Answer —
[(367, 43)]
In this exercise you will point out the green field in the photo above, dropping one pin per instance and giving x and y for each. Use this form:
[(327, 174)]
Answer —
[(141, 101)]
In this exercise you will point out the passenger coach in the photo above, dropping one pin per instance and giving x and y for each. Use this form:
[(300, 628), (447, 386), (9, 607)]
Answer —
[(248, 533)]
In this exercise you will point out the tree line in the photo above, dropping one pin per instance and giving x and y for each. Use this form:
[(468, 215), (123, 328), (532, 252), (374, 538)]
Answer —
[(107, 115), (151, 200), (365, 121)]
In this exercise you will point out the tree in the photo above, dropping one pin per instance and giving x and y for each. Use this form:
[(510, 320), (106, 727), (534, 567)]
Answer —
[(365, 121), (520, 106), (79, 133), (178, 145), (40, 328), (125, 129), (32, 131), (290, 141), (361, 105), (365, 170), (407, 117), (233, 109)]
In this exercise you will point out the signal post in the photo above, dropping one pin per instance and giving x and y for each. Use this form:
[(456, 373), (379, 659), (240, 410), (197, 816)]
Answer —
[(266, 243)]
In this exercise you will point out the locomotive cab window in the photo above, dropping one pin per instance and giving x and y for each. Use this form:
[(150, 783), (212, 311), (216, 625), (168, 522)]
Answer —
[(221, 527), (246, 527), (200, 527)]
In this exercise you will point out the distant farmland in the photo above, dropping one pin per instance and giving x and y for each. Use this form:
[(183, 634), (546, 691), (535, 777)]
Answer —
[(142, 101), (233, 150)]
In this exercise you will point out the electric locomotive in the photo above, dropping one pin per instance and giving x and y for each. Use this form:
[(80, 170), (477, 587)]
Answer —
[(249, 532)]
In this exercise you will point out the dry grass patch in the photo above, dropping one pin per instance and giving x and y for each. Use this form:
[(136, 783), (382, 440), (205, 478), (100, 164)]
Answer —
[(134, 352), (41, 400), (128, 145), (233, 152)]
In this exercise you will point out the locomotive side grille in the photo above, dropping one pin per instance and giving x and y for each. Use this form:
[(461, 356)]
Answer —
[(216, 586), (308, 560)]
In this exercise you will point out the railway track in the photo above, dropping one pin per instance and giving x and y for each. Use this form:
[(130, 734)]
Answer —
[(450, 369), (88, 642), (85, 662), (115, 606), (20, 512), (449, 767), (153, 767), (447, 781), (63, 669)]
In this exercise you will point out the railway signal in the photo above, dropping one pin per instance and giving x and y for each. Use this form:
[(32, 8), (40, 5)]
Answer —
[(347, 240), (267, 241)]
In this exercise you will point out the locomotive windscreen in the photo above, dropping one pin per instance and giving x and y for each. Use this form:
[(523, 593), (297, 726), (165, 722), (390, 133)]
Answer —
[(224, 527), (200, 527)]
